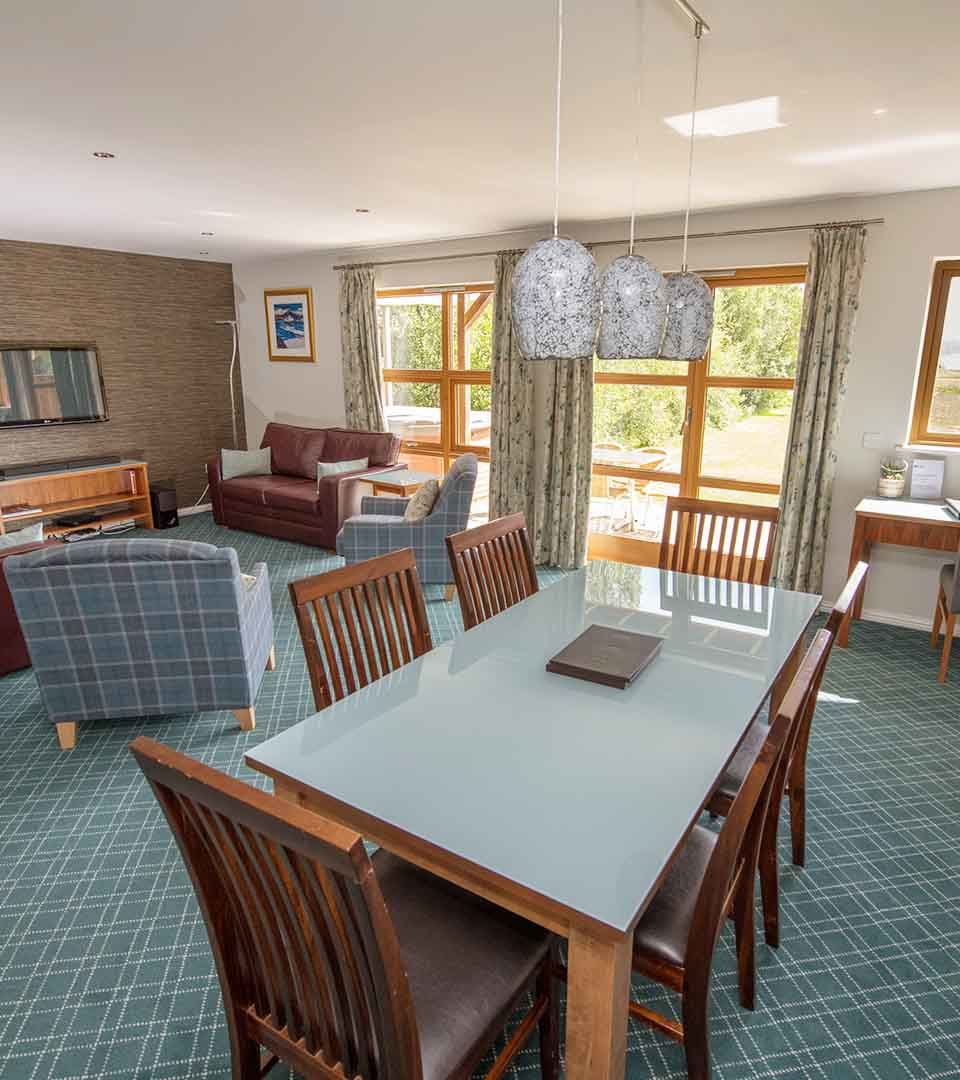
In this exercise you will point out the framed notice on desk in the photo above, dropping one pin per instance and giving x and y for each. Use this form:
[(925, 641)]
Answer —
[(926, 478)]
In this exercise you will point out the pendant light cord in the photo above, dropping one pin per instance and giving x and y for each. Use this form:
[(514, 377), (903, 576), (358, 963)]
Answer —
[(698, 32), (636, 136), (556, 142)]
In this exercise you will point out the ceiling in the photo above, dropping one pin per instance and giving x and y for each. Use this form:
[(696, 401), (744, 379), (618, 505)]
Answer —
[(269, 125)]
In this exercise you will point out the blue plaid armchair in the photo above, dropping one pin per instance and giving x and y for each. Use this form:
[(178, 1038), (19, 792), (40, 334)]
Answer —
[(128, 628), (379, 527)]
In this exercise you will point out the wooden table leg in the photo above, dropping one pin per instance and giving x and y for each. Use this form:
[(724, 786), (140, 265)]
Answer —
[(785, 678), (859, 550), (598, 994)]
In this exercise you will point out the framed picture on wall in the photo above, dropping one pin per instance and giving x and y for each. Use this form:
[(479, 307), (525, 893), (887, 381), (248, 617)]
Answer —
[(290, 324)]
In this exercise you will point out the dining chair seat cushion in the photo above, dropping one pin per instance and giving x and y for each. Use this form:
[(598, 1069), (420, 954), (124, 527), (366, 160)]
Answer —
[(665, 926), (466, 960), (746, 755)]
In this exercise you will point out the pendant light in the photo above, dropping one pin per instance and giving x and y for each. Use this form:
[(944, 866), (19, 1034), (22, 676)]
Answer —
[(689, 324), (555, 296), (633, 292)]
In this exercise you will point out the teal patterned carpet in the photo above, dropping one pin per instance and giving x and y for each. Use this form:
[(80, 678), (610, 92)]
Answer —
[(105, 971)]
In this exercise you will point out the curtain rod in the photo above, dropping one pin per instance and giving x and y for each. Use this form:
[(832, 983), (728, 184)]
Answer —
[(622, 243)]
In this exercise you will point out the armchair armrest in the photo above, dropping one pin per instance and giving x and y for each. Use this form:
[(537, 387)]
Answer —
[(392, 505), (256, 625)]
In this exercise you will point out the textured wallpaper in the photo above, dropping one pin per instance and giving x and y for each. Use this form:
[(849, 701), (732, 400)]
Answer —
[(164, 360)]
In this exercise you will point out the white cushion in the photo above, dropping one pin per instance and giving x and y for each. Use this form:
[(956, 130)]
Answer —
[(244, 463), (31, 534), (421, 503), (334, 468)]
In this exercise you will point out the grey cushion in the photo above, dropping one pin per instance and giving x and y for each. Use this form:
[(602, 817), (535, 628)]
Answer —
[(244, 463)]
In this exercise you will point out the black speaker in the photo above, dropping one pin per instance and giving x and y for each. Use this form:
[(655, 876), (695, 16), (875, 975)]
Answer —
[(163, 502)]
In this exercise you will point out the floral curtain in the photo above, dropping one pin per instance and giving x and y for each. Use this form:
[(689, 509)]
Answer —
[(830, 305), (511, 411), (363, 401), (563, 495)]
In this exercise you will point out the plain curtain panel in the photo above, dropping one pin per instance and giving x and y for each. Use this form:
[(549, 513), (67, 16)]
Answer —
[(512, 436), (563, 495), (363, 403), (830, 304)]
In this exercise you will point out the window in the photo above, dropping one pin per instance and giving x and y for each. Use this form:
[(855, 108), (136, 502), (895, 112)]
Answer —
[(936, 409), (715, 429), (435, 348)]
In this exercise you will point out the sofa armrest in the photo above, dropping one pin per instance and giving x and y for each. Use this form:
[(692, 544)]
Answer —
[(216, 494), (392, 505), (340, 495)]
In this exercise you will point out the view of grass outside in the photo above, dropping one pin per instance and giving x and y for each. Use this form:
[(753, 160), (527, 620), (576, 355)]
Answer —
[(756, 329)]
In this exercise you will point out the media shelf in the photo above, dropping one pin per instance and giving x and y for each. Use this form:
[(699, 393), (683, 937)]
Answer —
[(100, 487)]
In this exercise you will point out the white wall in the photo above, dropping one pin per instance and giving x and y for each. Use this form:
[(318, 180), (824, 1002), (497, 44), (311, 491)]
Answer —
[(920, 227)]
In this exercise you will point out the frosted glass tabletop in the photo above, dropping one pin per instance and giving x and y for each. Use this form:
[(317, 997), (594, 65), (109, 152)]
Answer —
[(576, 791)]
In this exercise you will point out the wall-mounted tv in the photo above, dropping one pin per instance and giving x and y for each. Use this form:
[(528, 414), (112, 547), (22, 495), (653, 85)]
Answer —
[(53, 385)]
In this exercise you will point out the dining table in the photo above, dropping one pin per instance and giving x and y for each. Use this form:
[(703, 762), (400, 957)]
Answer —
[(560, 799)]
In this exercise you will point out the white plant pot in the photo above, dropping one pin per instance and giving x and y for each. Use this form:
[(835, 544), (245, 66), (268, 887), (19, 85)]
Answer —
[(891, 487)]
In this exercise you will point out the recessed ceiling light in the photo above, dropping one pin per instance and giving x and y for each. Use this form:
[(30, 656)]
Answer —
[(760, 114), (361, 210), (103, 154), (909, 144), (206, 234), (204, 252), (880, 112), (218, 213)]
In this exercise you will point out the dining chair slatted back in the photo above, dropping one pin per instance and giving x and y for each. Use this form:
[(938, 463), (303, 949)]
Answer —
[(492, 567), (360, 622), (306, 953), (718, 539), (727, 883), (847, 600)]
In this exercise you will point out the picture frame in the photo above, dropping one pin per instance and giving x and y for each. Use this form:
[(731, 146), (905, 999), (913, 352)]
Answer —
[(289, 314)]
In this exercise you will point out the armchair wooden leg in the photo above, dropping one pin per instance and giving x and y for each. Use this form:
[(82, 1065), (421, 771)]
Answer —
[(272, 659), (449, 592), (67, 734), (246, 718)]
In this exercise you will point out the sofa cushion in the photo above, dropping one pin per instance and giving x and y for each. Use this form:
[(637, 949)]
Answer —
[(285, 493), (246, 489), (295, 451), (379, 447), (235, 463)]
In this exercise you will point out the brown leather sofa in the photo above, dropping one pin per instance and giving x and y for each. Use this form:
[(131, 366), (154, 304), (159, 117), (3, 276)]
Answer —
[(13, 649), (290, 503)]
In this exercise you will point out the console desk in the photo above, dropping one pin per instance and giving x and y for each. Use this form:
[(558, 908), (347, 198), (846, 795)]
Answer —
[(905, 522), (121, 491)]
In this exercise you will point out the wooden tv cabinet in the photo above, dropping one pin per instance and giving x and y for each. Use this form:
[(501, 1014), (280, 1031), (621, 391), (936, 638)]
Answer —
[(120, 492)]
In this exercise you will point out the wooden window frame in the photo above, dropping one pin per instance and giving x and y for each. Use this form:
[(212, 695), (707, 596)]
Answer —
[(453, 374), (945, 272), (697, 382)]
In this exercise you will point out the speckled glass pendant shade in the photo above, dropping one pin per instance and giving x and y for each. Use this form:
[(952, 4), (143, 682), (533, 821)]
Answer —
[(556, 300), (689, 317), (633, 298), (689, 298)]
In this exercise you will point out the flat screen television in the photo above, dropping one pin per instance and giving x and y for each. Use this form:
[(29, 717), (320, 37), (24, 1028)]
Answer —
[(54, 385)]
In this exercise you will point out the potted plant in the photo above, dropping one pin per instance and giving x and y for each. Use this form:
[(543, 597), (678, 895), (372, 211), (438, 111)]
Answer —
[(893, 478)]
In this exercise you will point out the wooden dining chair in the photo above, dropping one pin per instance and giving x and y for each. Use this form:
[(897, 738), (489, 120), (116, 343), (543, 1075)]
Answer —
[(719, 539), (712, 878), (492, 567), (796, 777), (339, 964), (370, 619)]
